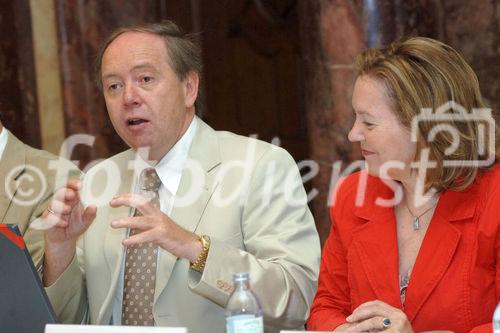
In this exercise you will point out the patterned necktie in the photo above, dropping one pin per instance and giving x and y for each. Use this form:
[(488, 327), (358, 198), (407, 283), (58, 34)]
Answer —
[(140, 265)]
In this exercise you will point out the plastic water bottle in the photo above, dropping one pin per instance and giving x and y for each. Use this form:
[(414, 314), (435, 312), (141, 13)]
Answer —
[(496, 320), (243, 311)]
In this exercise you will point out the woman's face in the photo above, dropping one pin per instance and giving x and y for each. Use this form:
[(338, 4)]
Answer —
[(385, 142)]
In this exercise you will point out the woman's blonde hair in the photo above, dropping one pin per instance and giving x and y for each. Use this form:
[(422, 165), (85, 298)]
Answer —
[(423, 73)]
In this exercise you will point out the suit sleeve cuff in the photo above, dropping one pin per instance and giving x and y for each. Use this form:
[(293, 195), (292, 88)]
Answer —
[(65, 287), (210, 284)]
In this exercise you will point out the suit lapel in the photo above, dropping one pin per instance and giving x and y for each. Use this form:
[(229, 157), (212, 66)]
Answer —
[(192, 196), (439, 246), (13, 158), (376, 243)]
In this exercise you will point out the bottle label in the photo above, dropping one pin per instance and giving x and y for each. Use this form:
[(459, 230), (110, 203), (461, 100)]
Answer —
[(244, 324)]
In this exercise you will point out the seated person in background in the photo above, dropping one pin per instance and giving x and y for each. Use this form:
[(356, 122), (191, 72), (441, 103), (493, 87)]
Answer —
[(416, 246), (28, 178), (220, 204)]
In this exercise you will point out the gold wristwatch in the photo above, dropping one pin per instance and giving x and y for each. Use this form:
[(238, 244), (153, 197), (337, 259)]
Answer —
[(199, 264)]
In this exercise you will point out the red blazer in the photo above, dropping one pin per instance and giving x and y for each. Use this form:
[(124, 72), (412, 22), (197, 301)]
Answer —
[(455, 282)]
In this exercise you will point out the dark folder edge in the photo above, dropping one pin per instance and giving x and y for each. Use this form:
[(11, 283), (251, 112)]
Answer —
[(11, 232)]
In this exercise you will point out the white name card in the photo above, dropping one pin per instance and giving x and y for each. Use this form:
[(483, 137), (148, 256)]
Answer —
[(50, 328)]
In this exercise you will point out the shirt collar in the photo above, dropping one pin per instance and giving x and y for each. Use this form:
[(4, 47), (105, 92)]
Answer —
[(170, 167), (3, 140)]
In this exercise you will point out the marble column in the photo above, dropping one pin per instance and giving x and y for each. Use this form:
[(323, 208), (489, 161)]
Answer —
[(48, 78), (332, 34)]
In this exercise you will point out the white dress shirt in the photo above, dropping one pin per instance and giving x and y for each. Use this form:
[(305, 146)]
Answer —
[(169, 170), (4, 136)]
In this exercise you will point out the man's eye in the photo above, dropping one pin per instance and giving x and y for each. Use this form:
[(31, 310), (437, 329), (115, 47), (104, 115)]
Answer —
[(113, 86), (147, 79)]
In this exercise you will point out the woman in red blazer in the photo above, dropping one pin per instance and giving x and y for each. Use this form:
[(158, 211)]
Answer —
[(415, 240)]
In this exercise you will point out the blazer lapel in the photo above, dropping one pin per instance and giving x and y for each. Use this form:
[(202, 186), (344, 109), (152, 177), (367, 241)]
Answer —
[(203, 156), (376, 243), (13, 158), (439, 246)]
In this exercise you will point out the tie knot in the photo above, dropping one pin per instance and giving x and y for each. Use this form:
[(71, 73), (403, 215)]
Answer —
[(149, 180)]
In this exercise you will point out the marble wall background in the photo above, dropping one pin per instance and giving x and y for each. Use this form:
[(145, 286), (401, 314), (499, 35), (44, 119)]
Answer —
[(330, 33), (82, 27), (334, 31), (18, 96)]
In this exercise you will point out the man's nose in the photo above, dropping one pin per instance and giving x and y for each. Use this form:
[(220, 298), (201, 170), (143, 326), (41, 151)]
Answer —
[(131, 97)]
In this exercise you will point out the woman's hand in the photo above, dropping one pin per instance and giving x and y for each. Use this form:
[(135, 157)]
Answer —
[(342, 328), (378, 316)]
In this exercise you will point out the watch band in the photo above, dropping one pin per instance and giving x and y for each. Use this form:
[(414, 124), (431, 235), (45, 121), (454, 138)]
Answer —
[(199, 264)]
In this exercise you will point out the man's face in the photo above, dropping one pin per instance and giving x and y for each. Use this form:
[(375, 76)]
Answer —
[(147, 103)]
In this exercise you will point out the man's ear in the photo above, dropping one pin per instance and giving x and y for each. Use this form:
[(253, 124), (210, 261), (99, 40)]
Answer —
[(191, 83)]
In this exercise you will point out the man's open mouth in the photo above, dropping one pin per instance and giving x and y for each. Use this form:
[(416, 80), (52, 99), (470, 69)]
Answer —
[(136, 121)]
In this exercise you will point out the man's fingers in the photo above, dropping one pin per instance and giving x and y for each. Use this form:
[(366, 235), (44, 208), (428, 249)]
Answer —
[(89, 214), (136, 222), (64, 194), (74, 184), (59, 208), (69, 191), (135, 201), (140, 238), (48, 222)]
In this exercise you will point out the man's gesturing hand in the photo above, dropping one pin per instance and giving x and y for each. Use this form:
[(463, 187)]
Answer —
[(155, 227), (65, 220)]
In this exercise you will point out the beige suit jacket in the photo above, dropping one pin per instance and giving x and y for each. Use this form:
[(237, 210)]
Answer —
[(271, 234), (28, 178)]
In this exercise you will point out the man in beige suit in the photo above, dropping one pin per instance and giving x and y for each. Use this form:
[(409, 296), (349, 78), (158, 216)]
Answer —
[(28, 178), (226, 204)]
